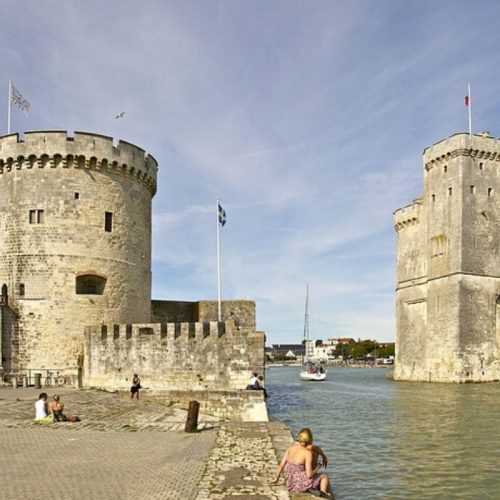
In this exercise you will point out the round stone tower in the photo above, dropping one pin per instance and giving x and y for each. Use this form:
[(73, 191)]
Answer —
[(75, 243)]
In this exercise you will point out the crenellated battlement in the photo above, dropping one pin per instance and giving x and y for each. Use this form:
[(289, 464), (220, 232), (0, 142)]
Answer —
[(199, 355), (55, 149), (482, 146), (159, 332), (408, 216)]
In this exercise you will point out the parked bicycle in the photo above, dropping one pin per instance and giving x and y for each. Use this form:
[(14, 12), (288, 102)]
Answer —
[(55, 380)]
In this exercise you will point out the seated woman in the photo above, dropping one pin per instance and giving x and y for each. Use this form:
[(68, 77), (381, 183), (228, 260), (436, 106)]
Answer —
[(57, 407), (300, 473), (41, 411)]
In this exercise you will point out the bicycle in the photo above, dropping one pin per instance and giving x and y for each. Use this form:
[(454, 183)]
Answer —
[(57, 380)]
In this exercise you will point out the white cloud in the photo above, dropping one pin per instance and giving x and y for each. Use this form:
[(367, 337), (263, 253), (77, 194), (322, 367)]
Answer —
[(309, 119)]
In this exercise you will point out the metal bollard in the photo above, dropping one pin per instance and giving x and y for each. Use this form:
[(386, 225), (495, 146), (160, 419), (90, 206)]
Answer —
[(192, 417), (25, 381), (38, 380)]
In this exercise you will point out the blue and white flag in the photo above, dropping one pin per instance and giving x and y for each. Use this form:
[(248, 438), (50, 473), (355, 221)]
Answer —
[(222, 216)]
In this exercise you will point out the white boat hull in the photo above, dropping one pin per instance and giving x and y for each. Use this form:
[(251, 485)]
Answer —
[(312, 377)]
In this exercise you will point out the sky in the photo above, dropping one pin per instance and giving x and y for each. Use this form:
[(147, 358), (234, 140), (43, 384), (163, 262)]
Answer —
[(308, 118)]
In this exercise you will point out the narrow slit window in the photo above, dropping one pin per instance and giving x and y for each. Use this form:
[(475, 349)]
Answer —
[(481, 165), (490, 191), (433, 198), (472, 189), (108, 221), (21, 289), (445, 169), (36, 216), (450, 191), (77, 196)]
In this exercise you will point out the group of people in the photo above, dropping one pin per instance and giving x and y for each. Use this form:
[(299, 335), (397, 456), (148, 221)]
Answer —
[(301, 468), (313, 368), (257, 384), (52, 412)]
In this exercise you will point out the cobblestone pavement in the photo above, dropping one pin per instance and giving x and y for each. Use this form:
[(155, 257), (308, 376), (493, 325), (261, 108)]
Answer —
[(242, 462), (98, 410), (93, 465), (142, 455)]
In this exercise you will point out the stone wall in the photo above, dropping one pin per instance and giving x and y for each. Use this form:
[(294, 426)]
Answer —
[(210, 362), (173, 356), (235, 405), (448, 262), (75, 240), (241, 311)]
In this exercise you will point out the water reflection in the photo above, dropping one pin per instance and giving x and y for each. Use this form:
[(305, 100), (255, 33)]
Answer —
[(396, 440)]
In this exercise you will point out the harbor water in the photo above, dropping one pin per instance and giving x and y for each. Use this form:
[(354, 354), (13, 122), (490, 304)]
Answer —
[(387, 439)]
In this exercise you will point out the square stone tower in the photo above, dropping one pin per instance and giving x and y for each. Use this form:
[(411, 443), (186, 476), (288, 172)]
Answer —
[(448, 266)]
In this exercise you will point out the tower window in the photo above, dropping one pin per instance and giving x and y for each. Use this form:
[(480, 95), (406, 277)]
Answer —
[(433, 198), (77, 196), (90, 284), (472, 189), (4, 298), (445, 169), (450, 191), (481, 165), (490, 191), (21, 289), (108, 221), (36, 217)]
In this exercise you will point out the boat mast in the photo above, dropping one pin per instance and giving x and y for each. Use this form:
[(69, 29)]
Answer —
[(306, 326)]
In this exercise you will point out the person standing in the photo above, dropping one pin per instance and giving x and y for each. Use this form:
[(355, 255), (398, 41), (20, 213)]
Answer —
[(136, 386)]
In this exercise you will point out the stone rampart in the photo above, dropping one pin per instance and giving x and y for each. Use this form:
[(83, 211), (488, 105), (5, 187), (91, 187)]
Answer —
[(173, 356)]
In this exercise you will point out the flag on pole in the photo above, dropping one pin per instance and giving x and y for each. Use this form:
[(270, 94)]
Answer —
[(17, 98), (468, 103), (222, 216)]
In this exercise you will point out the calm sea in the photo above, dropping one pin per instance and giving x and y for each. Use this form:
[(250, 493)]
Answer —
[(388, 439)]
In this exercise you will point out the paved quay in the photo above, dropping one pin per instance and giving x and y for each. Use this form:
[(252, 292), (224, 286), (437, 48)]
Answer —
[(129, 449)]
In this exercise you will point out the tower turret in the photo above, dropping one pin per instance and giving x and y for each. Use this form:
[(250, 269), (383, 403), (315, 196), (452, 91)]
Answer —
[(75, 242)]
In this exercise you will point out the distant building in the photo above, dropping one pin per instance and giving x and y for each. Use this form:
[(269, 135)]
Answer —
[(286, 350)]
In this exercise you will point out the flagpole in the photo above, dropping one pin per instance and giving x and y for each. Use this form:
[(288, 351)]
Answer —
[(470, 114), (219, 306), (8, 107)]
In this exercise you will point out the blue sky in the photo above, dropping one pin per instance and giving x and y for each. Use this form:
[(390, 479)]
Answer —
[(308, 118)]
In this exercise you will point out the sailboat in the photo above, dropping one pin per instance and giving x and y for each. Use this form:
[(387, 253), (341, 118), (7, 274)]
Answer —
[(311, 371)]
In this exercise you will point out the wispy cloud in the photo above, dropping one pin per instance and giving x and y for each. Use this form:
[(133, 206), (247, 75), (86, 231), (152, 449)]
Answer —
[(309, 119)]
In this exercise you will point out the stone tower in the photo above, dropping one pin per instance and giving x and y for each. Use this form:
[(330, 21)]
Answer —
[(75, 243), (448, 266)]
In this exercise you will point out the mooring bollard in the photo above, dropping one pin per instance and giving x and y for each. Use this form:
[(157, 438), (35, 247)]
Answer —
[(192, 417), (38, 380)]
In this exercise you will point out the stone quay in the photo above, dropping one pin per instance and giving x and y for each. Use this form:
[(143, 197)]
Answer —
[(134, 449)]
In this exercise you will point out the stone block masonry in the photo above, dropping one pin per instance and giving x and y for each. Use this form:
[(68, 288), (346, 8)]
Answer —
[(75, 242), (188, 360), (448, 262)]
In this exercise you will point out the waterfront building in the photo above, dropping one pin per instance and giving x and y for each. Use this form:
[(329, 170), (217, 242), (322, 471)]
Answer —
[(448, 266)]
